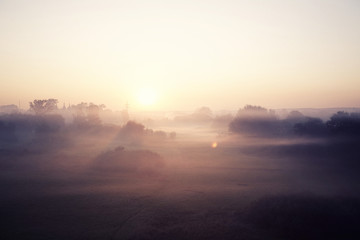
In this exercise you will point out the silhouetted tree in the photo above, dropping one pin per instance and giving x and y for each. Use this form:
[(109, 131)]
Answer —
[(133, 129), (253, 111), (93, 111), (41, 107), (344, 123), (7, 132), (9, 109), (32, 131), (295, 115), (311, 127), (51, 123), (204, 111), (79, 113), (87, 114), (254, 108), (256, 120)]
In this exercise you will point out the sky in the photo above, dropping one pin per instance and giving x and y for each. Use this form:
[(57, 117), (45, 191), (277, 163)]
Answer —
[(180, 55)]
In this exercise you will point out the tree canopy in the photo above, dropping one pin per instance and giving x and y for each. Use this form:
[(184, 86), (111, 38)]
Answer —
[(43, 106)]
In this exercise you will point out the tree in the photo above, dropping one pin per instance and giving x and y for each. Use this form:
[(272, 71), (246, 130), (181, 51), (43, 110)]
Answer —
[(133, 129), (295, 115), (93, 113), (85, 113), (43, 106), (256, 121), (251, 111), (344, 123), (311, 127)]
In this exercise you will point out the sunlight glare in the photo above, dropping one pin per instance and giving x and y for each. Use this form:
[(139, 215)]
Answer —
[(146, 96)]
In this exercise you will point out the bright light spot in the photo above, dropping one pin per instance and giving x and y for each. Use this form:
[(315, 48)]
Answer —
[(214, 145), (146, 96)]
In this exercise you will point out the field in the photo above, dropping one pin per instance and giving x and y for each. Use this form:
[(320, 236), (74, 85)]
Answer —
[(245, 188)]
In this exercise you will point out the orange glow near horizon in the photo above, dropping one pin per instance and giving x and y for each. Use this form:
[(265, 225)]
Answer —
[(147, 96), (221, 54)]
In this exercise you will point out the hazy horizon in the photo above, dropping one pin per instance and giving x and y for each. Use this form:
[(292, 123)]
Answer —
[(25, 106)]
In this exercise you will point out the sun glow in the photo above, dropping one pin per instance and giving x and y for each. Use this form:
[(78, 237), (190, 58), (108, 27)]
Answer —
[(147, 96)]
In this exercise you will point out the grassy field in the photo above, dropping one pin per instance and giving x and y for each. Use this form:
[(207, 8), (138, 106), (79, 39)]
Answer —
[(179, 189)]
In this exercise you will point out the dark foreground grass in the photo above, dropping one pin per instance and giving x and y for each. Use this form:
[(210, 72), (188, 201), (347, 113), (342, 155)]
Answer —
[(305, 217), (125, 216)]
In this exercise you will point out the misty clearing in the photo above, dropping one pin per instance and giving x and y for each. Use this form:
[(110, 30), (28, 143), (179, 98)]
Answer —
[(248, 176)]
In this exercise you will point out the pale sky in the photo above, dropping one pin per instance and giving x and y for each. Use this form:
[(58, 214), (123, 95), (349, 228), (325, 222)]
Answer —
[(220, 54)]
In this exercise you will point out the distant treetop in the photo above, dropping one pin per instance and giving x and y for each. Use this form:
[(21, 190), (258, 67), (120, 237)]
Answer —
[(43, 106)]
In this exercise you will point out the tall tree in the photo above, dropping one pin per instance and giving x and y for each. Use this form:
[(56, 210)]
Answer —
[(43, 106)]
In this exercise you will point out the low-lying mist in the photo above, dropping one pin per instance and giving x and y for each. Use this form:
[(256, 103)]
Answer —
[(199, 176)]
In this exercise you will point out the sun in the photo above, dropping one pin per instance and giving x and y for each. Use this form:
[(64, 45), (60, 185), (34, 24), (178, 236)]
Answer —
[(146, 96)]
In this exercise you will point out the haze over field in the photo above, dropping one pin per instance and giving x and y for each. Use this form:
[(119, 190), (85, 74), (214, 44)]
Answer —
[(179, 120)]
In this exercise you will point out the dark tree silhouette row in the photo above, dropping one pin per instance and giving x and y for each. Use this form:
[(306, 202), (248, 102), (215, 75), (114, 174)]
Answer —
[(258, 121), (46, 127)]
